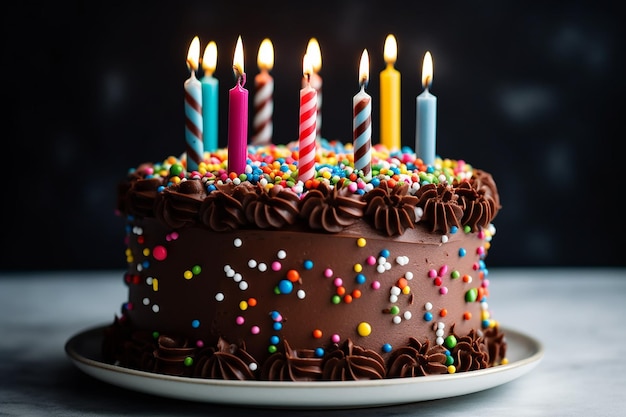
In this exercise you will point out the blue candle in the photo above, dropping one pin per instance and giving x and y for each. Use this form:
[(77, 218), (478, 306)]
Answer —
[(210, 102), (193, 110), (426, 126)]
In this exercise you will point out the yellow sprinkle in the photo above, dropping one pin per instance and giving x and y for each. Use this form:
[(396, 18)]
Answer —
[(484, 315), (243, 305), (406, 290), (326, 174), (175, 180), (146, 252), (364, 329), (358, 267), (451, 369), (155, 284), (504, 361), (188, 274), (361, 242)]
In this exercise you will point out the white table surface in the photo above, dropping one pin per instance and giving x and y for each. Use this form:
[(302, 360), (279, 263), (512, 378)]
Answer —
[(577, 314)]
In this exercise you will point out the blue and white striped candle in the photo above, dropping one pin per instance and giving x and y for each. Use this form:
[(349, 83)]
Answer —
[(362, 122)]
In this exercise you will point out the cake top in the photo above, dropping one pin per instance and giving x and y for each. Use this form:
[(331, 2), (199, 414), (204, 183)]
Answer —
[(402, 191)]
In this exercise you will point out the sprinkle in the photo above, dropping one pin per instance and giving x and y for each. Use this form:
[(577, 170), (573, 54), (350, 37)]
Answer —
[(317, 333), (364, 329), (195, 324), (240, 320), (451, 369), (335, 338), (308, 264), (219, 296), (376, 285), (281, 254), (159, 253), (428, 316), (386, 348), (276, 266), (361, 242), (237, 242)]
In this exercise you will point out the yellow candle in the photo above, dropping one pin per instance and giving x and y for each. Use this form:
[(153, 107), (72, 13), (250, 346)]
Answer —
[(390, 98)]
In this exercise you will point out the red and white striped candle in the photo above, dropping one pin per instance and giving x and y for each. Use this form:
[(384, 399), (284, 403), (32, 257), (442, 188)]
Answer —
[(263, 99), (307, 131), (315, 80), (362, 122), (193, 110)]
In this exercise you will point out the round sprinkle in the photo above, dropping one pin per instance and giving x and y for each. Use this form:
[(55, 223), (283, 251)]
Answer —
[(308, 264), (145, 301), (277, 326), (272, 349), (337, 282), (376, 285), (293, 275), (358, 267), (467, 315), (335, 299), (188, 361), (243, 305), (252, 263), (335, 338), (188, 274), (396, 320), (317, 333), (432, 273), (237, 242), (262, 267), (243, 285), (471, 295), (428, 306), (428, 316), (159, 253), (319, 352), (443, 290), (451, 369), (443, 312), (301, 294), (276, 316), (274, 340), (328, 272), (394, 310), (195, 324), (364, 329), (360, 279), (285, 286), (407, 315), (386, 348), (281, 254), (252, 302), (361, 242), (276, 266), (384, 253), (450, 341), (240, 320), (255, 330), (196, 269), (462, 252), (219, 296)]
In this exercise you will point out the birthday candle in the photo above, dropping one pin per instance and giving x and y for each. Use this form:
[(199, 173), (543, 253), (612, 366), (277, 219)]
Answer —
[(263, 101), (426, 124), (238, 116), (210, 101), (315, 80), (193, 109), (362, 122), (390, 97), (307, 131)]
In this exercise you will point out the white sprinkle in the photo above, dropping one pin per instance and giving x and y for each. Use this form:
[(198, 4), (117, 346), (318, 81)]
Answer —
[(397, 319), (419, 212), (237, 242), (395, 290), (484, 305), (387, 266), (252, 263), (253, 366), (381, 260), (301, 294), (262, 267), (439, 332), (439, 341), (407, 315), (219, 296), (281, 254), (380, 269), (428, 306), (409, 275), (149, 280), (230, 273), (155, 308), (237, 277), (139, 267), (243, 285), (237, 181), (146, 301), (444, 239), (227, 268), (393, 298), (402, 260), (441, 325)]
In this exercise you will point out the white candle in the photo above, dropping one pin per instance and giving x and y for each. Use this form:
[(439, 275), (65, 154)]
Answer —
[(426, 125), (362, 122)]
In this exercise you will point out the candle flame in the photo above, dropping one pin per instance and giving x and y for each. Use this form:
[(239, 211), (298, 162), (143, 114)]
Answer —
[(364, 68), (209, 59), (315, 55), (307, 67), (427, 70), (265, 59), (193, 55), (391, 49), (238, 59)]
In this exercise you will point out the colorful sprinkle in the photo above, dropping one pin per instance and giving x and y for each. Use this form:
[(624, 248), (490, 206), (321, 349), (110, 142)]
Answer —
[(364, 329)]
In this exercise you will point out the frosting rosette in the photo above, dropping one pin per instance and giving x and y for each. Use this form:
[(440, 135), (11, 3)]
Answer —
[(470, 352), (331, 208), (353, 363), (141, 195), (173, 356), (292, 365), (417, 359), (225, 361), (224, 208), (392, 208), (439, 203), (274, 208), (179, 204)]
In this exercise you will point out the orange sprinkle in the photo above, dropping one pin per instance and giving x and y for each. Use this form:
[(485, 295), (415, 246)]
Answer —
[(443, 312), (347, 299), (402, 282), (356, 294), (252, 302), (293, 275), (341, 290), (467, 315), (317, 333), (481, 294)]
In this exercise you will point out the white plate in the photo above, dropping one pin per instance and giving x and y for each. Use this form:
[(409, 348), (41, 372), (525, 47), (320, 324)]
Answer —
[(523, 352)]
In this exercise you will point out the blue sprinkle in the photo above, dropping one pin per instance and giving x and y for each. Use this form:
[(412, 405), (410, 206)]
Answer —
[(462, 252), (319, 352), (384, 253), (308, 264), (274, 340), (277, 326), (453, 230), (386, 348), (428, 316), (360, 279), (285, 286), (195, 324)]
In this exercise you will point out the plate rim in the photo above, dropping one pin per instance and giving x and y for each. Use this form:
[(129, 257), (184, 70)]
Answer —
[(124, 377)]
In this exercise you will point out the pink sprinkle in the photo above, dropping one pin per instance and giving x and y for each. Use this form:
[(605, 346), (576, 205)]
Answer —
[(352, 187), (255, 330), (278, 318), (481, 234), (149, 170), (432, 273), (276, 266), (360, 184), (371, 260), (200, 343), (480, 250), (338, 282), (159, 252), (240, 320), (443, 270), (129, 306), (335, 338), (485, 283), (443, 290), (328, 272), (376, 285), (475, 266), (174, 235)]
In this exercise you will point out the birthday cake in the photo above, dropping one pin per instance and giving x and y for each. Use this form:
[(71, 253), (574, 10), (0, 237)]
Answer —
[(260, 276)]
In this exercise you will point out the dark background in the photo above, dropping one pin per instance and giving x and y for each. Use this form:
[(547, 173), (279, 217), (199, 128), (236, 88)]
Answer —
[(532, 93)]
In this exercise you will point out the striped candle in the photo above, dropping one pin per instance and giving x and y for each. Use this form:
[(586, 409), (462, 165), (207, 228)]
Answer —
[(193, 109), (306, 137), (362, 122), (315, 80), (263, 99)]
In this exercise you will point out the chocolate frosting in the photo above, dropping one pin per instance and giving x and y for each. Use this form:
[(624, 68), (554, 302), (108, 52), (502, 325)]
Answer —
[(391, 208), (331, 208), (353, 363), (223, 209), (171, 355), (470, 352), (292, 365), (179, 204), (225, 361), (273, 209), (417, 359)]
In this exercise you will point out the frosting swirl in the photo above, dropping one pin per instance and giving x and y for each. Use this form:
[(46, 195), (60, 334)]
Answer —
[(292, 365), (441, 210), (179, 204), (173, 356), (417, 359), (273, 208), (331, 208), (352, 363), (392, 208), (224, 208), (225, 361)]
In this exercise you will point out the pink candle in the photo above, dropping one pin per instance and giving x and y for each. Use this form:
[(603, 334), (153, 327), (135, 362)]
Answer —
[(362, 122), (307, 131), (263, 97), (315, 80), (238, 116)]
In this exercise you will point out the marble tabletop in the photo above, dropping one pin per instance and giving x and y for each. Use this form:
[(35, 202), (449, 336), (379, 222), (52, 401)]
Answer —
[(576, 314)]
